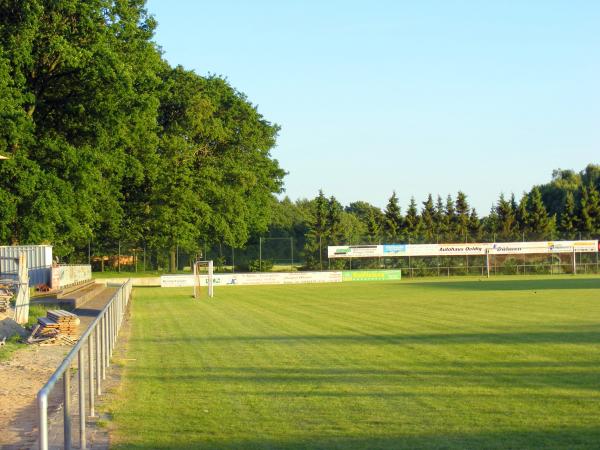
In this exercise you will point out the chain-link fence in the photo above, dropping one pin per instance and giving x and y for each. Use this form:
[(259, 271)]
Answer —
[(264, 254)]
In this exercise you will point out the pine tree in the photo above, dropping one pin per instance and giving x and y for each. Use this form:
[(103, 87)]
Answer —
[(320, 221), (475, 225), (491, 224), (412, 221), (334, 230), (373, 227), (539, 224), (450, 220), (590, 210), (462, 216), (507, 220), (428, 213), (316, 235), (440, 227), (513, 204), (522, 215), (393, 219), (568, 218)]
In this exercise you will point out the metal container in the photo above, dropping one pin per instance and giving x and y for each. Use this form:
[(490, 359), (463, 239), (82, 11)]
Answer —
[(39, 262)]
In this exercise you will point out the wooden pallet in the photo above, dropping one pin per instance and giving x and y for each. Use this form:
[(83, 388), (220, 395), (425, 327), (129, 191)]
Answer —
[(61, 316), (59, 325)]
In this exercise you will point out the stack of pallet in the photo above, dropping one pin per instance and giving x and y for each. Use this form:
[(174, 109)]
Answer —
[(58, 327), (64, 321), (5, 296)]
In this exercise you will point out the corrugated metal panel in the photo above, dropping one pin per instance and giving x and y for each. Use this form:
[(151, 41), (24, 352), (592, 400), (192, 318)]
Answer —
[(39, 262)]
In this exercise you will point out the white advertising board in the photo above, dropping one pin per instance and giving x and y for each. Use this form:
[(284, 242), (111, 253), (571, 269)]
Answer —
[(387, 250), (253, 279)]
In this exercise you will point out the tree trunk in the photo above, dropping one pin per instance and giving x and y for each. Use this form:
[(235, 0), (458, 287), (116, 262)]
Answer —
[(172, 261)]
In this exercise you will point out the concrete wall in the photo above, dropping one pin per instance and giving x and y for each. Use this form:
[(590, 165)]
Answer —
[(138, 282), (69, 275)]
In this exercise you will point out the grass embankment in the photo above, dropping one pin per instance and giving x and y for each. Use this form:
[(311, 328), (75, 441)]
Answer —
[(498, 364)]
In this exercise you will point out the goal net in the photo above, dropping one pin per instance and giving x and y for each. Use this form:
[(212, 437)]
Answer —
[(203, 270)]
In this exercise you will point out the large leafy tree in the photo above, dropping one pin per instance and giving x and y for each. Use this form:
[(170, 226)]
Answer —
[(217, 176), (86, 82)]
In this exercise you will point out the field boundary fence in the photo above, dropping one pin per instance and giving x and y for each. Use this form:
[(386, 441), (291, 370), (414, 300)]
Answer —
[(517, 269), (93, 352), (293, 253)]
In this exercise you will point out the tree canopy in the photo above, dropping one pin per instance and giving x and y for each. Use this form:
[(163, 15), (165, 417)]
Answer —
[(107, 141)]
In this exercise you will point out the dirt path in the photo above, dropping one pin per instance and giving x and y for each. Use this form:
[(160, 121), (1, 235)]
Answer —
[(25, 374)]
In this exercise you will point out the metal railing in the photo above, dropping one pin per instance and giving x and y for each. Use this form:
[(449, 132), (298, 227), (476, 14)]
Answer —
[(98, 341)]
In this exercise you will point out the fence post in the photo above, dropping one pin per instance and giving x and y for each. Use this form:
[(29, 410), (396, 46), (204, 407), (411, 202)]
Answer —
[(91, 372), (101, 343), (81, 367), (43, 418), (104, 343), (98, 342), (67, 409)]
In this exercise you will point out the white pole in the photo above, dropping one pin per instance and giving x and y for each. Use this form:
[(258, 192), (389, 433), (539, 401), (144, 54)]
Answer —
[(196, 280), (210, 279)]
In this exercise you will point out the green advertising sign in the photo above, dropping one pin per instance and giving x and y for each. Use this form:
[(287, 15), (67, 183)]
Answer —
[(371, 275)]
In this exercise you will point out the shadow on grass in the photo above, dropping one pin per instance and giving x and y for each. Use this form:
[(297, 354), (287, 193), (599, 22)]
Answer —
[(512, 285), (545, 337), (567, 438), (434, 376)]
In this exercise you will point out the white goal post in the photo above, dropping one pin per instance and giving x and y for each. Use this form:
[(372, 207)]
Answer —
[(198, 268)]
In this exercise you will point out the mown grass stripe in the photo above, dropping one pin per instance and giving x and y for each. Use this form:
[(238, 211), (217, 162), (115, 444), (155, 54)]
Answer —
[(463, 364)]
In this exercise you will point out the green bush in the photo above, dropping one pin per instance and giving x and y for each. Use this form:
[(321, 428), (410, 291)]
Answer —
[(256, 265)]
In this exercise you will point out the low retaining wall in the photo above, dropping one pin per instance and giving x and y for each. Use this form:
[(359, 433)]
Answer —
[(70, 275), (136, 282), (281, 278)]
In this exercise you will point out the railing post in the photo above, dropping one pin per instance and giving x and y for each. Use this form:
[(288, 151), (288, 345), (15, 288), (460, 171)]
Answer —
[(81, 366), (101, 343), (67, 409), (98, 342), (103, 328), (91, 372), (112, 328), (43, 417)]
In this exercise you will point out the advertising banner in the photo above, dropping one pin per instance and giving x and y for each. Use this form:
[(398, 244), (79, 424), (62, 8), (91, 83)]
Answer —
[(247, 279), (544, 247), (371, 275), (388, 250)]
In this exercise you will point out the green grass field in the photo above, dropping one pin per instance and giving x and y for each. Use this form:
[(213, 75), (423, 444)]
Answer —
[(461, 364)]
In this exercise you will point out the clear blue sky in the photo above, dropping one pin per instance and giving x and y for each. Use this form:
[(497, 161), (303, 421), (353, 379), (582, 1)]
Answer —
[(421, 96)]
